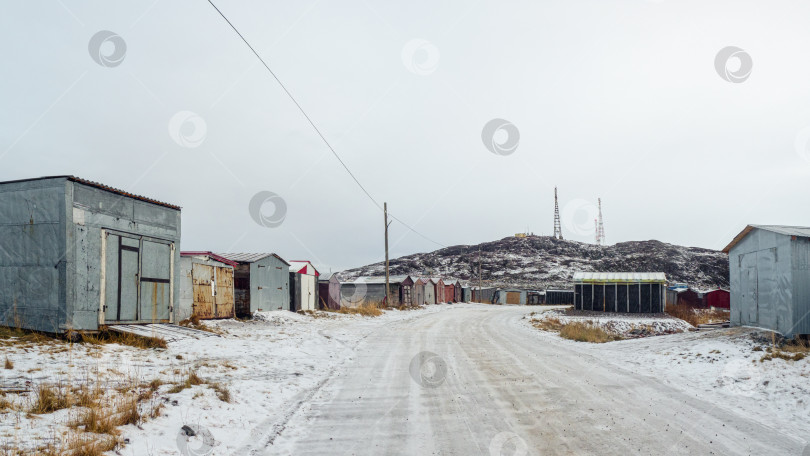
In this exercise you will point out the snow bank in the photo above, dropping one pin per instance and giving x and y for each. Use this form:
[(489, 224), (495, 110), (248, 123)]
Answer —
[(626, 325)]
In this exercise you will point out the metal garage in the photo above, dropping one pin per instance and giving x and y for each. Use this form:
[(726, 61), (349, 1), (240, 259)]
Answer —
[(329, 291), (627, 292), (769, 269), (303, 286), (510, 296), (430, 290), (261, 282), (76, 255), (206, 286)]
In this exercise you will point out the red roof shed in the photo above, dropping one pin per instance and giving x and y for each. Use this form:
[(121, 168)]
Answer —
[(717, 298)]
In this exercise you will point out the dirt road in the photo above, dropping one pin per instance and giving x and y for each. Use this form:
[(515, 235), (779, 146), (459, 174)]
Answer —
[(478, 380)]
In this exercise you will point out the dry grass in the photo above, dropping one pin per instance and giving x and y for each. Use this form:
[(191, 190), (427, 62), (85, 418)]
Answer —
[(49, 399), (106, 419), (15, 335), (697, 317), (222, 392), (792, 350), (548, 324), (194, 322), (191, 379), (366, 310), (9, 365), (84, 445), (132, 340), (587, 332), (5, 404)]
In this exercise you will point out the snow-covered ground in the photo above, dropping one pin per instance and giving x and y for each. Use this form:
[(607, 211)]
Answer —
[(720, 366), (619, 324), (283, 369), (266, 364)]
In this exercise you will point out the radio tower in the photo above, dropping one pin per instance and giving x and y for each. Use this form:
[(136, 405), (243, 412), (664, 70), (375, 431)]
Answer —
[(557, 226), (600, 229)]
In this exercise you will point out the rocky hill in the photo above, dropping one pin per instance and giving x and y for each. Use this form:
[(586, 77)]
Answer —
[(543, 262)]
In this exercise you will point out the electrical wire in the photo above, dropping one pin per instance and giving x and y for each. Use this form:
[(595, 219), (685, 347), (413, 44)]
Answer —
[(314, 127)]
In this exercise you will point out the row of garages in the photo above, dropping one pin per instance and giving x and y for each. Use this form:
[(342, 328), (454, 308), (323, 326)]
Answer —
[(403, 291), (77, 255)]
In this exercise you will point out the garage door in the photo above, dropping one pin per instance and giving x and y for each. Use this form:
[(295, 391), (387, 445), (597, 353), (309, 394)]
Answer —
[(223, 294), (202, 277), (137, 278), (512, 297)]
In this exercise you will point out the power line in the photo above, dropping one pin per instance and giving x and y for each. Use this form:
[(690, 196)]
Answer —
[(314, 127)]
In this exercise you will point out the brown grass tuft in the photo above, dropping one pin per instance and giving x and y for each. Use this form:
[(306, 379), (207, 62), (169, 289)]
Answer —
[(222, 392), (548, 324), (194, 322), (587, 332), (105, 419), (695, 316), (191, 379), (85, 445), (366, 310), (9, 364), (50, 399)]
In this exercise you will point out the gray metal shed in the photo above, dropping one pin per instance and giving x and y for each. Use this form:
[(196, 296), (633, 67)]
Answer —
[(76, 255), (769, 267), (261, 282), (371, 291)]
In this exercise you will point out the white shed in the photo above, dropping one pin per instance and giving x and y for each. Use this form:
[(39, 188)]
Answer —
[(303, 286)]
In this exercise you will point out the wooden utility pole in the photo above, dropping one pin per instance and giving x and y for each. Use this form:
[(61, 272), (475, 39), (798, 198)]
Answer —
[(479, 274), (387, 285)]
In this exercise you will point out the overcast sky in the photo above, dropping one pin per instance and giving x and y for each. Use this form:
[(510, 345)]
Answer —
[(621, 100)]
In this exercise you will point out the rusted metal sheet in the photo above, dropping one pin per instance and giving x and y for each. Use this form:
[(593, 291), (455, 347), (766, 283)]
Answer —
[(202, 277), (224, 297), (449, 293)]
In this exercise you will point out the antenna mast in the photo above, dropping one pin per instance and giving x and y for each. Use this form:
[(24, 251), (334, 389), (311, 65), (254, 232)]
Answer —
[(600, 229), (557, 226)]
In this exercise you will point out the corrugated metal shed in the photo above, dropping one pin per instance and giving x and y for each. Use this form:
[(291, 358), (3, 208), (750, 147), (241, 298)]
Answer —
[(261, 282), (619, 277), (799, 231), (77, 255), (206, 286), (769, 268), (251, 257)]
